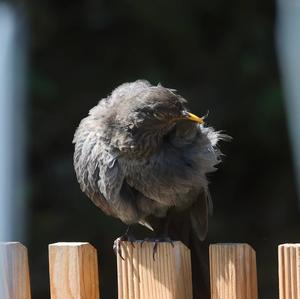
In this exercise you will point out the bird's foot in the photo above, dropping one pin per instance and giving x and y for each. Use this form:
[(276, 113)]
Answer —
[(117, 243), (156, 241)]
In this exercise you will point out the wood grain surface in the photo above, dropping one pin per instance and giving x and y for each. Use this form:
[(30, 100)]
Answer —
[(289, 271), (168, 276), (73, 269), (233, 271), (14, 271)]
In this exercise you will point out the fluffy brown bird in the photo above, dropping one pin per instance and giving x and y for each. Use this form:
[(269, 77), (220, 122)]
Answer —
[(142, 157)]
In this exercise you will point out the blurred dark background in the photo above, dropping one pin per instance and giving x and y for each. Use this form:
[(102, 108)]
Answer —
[(220, 55)]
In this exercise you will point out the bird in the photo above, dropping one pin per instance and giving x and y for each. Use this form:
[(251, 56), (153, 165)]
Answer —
[(141, 156)]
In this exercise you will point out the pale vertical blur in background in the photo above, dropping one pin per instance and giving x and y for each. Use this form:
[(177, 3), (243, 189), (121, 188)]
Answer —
[(288, 43), (12, 125), (221, 56), (13, 203)]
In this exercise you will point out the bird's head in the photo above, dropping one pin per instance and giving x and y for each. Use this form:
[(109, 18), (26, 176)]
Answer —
[(144, 115), (155, 108)]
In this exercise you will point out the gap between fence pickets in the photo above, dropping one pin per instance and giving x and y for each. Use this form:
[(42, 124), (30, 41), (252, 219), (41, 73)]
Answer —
[(74, 266)]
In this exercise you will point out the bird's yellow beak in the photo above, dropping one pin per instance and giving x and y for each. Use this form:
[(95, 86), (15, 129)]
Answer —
[(192, 117)]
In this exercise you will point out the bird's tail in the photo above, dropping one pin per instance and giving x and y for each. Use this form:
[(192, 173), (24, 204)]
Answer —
[(200, 267)]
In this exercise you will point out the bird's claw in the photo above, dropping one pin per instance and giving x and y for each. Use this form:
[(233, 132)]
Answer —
[(117, 247), (117, 244), (156, 241)]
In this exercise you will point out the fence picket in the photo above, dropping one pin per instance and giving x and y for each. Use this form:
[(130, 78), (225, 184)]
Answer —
[(168, 276), (14, 271), (73, 271), (232, 271), (289, 271)]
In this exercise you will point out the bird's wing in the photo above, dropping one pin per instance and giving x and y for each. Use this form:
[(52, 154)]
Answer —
[(96, 168), (101, 176)]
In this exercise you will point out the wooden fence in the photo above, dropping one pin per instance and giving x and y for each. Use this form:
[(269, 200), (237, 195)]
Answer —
[(73, 269)]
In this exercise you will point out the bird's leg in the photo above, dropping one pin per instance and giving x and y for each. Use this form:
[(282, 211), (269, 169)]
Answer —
[(126, 237), (161, 234)]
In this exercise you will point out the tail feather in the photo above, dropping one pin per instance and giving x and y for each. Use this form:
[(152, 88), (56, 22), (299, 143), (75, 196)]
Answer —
[(200, 267), (199, 215)]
